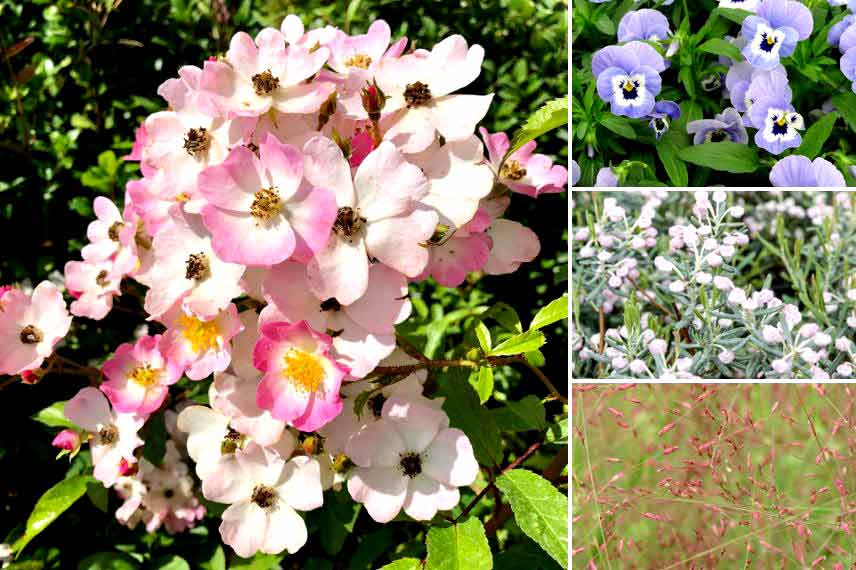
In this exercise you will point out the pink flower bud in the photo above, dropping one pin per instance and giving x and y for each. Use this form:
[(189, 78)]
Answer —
[(67, 439), (657, 346)]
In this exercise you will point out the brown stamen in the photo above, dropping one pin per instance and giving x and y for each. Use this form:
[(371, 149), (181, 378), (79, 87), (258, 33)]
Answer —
[(266, 204), (197, 142), (416, 94), (108, 435), (102, 280), (31, 334), (264, 83), (198, 267), (263, 496), (411, 464), (512, 170), (113, 232), (330, 304), (348, 222)]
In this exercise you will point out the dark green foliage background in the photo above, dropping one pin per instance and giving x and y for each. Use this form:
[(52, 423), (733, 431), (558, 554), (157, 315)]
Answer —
[(79, 79)]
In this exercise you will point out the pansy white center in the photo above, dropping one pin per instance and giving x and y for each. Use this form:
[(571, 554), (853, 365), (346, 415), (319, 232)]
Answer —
[(767, 41), (781, 124), (629, 90)]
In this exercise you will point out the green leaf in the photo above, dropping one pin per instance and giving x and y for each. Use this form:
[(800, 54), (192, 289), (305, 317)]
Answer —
[(258, 562), (618, 125), (370, 548), (524, 555), (155, 439), (108, 162), (558, 433), (482, 381), (736, 15), (169, 562), (108, 561), (540, 510), (336, 520), (82, 205), (605, 25), (52, 504), (505, 315), (728, 156), (718, 46), (483, 334), (97, 493), (556, 310), (523, 415), (461, 546), (217, 560), (465, 413), (524, 342), (668, 149), (816, 135), (552, 115), (845, 103), (54, 416), (535, 358), (404, 564)]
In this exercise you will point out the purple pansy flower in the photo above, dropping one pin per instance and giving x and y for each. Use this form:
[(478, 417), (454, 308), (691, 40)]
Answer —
[(727, 126), (848, 66), (836, 31), (663, 111), (847, 39), (797, 170), (748, 5), (645, 24), (774, 31), (745, 83), (777, 123), (628, 77), (767, 84), (606, 177), (575, 173)]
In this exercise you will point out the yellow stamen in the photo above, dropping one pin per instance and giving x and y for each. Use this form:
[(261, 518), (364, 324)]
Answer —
[(781, 122), (628, 86), (360, 60), (303, 370), (145, 376), (202, 335), (770, 40)]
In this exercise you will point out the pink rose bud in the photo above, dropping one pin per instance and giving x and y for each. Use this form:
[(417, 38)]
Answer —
[(373, 100), (67, 439)]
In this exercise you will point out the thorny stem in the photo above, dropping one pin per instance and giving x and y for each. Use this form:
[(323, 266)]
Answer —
[(60, 365), (514, 464), (492, 361), (552, 473)]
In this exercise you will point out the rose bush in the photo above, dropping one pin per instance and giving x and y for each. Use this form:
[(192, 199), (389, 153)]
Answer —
[(291, 192), (739, 93)]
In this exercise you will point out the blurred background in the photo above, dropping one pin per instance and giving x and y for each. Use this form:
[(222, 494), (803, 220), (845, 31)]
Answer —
[(79, 77)]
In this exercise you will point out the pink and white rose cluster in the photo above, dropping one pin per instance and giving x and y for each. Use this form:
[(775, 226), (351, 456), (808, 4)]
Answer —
[(290, 193)]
